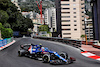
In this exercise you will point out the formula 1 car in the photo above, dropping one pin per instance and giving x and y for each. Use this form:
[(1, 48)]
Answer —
[(48, 56)]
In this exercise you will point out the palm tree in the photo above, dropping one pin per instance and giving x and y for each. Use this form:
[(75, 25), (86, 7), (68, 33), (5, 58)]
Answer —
[(82, 36)]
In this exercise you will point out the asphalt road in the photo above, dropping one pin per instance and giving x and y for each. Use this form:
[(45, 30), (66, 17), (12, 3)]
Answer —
[(9, 57)]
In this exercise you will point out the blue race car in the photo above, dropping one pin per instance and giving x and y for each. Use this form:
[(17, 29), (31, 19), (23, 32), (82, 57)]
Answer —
[(46, 55)]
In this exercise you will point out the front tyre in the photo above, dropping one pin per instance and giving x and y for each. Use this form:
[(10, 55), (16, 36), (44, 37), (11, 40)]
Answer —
[(45, 59)]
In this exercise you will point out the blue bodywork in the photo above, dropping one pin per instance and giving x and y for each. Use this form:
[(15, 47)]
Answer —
[(37, 48)]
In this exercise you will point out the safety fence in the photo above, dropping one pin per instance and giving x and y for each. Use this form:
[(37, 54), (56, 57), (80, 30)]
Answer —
[(72, 42), (5, 41)]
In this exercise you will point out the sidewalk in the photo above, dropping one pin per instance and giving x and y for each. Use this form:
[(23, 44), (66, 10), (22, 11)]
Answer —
[(90, 49), (90, 52)]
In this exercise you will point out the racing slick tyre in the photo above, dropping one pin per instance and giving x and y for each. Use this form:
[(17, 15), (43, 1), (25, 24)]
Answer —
[(64, 55), (19, 54), (46, 58)]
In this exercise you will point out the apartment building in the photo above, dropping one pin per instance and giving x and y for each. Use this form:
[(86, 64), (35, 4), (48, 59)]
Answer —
[(70, 18), (16, 3), (50, 18), (89, 29)]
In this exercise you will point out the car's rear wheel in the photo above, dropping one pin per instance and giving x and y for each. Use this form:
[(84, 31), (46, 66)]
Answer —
[(19, 54)]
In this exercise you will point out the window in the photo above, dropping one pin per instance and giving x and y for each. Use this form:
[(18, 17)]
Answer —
[(82, 8), (74, 20), (74, 12), (67, 37), (65, 16), (82, 3), (74, 8), (74, 16), (75, 25), (66, 29), (82, 20), (66, 33), (75, 29), (82, 11), (66, 25), (74, 0), (66, 12), (64, 0), (65, 20), (83, 29), (82, 16), (65, 4), (65, 8)]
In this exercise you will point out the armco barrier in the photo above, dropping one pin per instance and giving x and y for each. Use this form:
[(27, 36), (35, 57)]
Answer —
[(75, 43), (72, 42), (5, 41)]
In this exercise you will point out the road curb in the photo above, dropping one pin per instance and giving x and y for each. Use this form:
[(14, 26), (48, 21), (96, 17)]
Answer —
[(90, 55), (3, 47)]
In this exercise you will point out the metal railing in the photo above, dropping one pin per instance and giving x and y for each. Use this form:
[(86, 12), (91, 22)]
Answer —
[(72, 42), (5, 41)]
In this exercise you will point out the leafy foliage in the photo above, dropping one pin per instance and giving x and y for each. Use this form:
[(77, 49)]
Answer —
[(44, 28), (10, 17), (3, 16), (6, 32)]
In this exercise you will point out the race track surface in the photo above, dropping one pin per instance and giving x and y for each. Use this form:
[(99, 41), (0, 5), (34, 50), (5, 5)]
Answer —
[(9, 56)]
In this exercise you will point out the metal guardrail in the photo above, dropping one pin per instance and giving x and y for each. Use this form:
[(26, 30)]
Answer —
[(5, 41), (72, 42)]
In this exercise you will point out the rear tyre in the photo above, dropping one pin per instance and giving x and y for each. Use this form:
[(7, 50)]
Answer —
[(19, 54)]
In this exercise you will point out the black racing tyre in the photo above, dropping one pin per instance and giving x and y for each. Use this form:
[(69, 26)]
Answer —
[(64, 55), (45, 59), (19, 54)]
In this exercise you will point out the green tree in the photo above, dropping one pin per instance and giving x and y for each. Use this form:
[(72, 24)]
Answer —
[(44, 28), (7, 25), (3, 16), (6, 32)]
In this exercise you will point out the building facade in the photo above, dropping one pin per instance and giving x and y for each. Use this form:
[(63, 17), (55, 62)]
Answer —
[(50, 18), (96, 18), (16, 3), (70, 18), (89, 29), (28, 14)]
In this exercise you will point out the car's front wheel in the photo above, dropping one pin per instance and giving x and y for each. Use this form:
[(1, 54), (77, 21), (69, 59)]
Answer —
[(45, 59)]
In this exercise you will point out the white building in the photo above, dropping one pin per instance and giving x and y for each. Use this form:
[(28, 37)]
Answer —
[(70, 18), (28, 14), (89, 29), (50, 18), (16, 3)]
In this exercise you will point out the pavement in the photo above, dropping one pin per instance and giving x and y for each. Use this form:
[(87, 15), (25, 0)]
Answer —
[(90, 52), (3, 47)]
